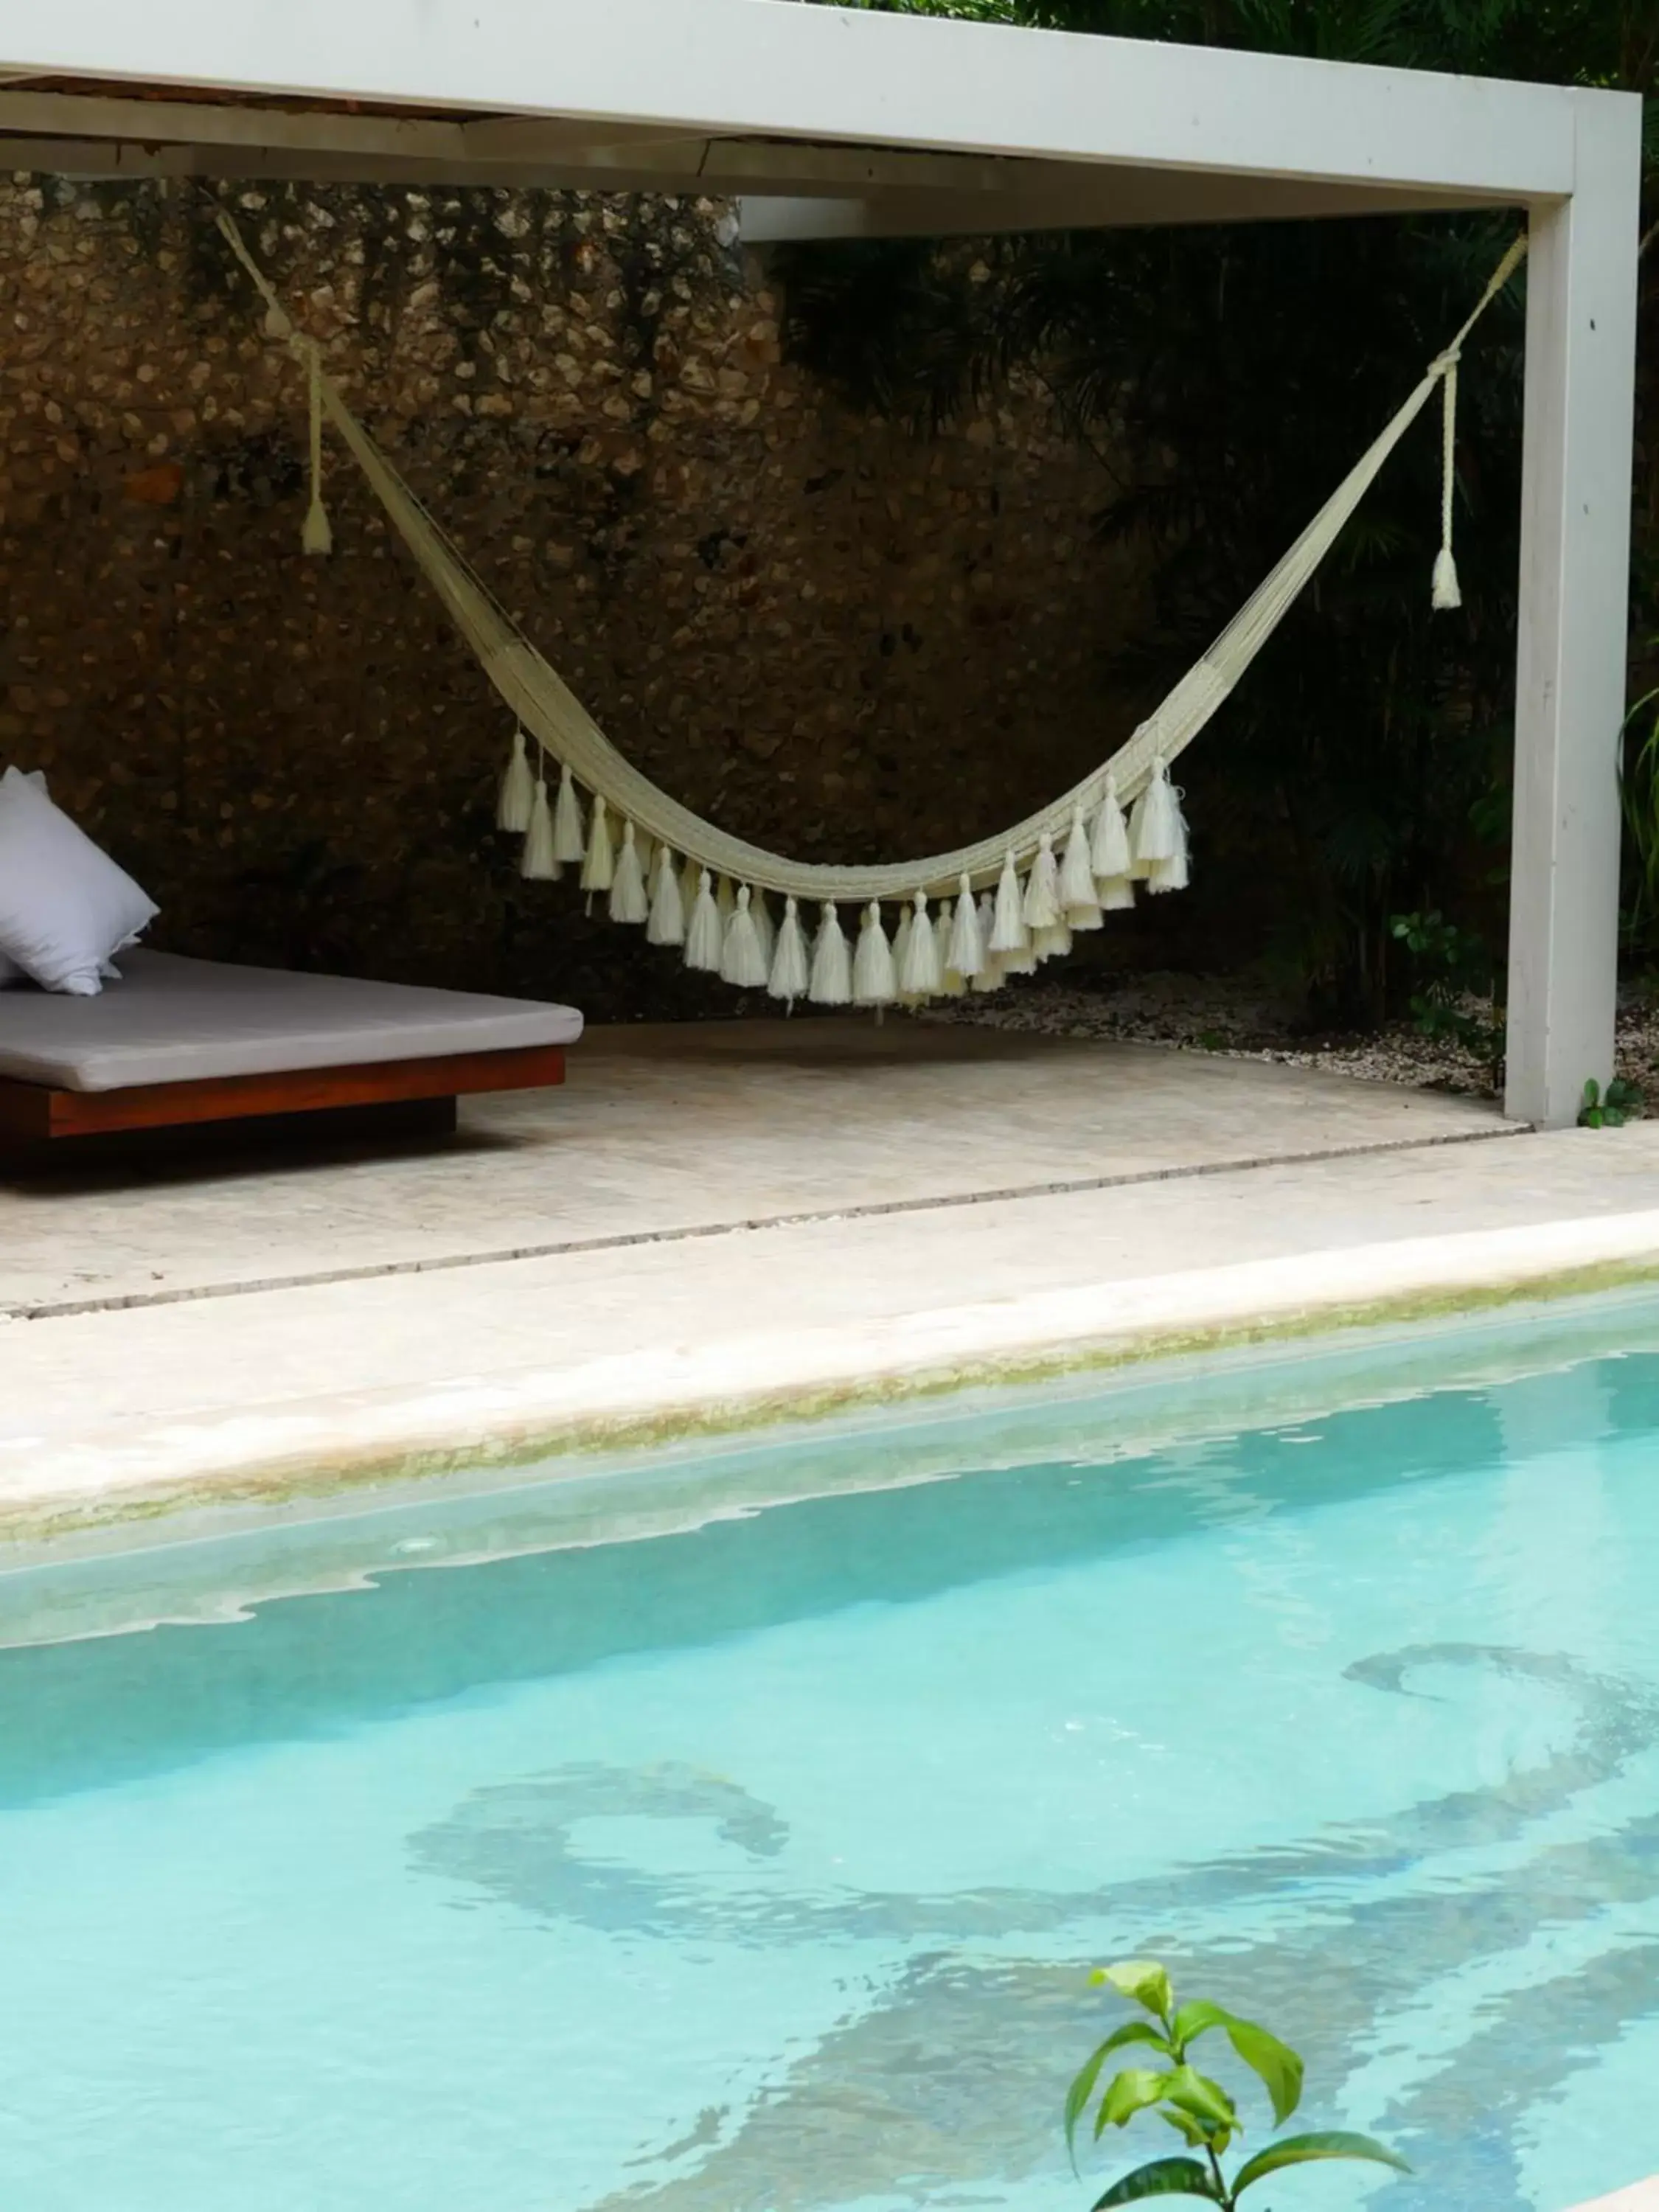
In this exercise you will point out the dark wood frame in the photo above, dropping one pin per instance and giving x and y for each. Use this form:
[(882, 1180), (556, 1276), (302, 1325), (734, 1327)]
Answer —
[(32, 1114)]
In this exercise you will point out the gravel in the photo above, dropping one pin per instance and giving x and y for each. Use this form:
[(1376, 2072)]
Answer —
[(1236, 1019)]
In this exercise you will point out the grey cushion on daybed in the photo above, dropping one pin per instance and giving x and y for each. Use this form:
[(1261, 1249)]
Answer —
[(173, 1020)]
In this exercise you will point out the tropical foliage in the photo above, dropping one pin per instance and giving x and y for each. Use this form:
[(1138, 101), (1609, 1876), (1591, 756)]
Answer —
[(1220, 382), (1201, 2112)]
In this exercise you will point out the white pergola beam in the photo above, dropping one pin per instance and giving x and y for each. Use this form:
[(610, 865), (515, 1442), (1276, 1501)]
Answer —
[(776, 69), (198, 138), (632, 166), (201, 123), (1124, 199), (117, 158), (726, 165)]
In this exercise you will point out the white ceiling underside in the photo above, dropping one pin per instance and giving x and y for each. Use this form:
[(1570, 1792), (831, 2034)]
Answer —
[(821, 122)]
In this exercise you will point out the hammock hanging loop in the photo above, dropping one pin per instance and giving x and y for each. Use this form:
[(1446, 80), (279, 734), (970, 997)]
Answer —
[(317, 536)]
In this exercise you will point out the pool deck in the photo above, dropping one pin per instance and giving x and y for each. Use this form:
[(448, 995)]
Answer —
[(718, 1223)]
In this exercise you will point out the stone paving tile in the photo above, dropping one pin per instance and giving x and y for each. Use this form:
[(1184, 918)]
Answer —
[(666, 1129)]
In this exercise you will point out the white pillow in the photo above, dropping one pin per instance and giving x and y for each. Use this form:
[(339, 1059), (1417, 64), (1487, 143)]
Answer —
[(9, 970), (64, 905)]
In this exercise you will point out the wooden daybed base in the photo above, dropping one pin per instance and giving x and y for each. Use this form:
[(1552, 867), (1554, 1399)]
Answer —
[(185, 1044), (32, 1114)]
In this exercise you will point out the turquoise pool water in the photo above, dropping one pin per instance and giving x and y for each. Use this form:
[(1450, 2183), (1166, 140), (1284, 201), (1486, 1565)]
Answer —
[(756, 1864)]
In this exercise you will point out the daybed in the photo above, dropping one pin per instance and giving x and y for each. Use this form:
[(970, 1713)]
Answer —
[(179, 1042)]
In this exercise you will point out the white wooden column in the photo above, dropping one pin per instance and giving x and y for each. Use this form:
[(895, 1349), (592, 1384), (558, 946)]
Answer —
[(1575, 564)]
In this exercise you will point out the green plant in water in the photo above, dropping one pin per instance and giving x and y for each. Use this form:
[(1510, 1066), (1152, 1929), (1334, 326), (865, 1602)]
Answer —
[(1197, 2109), (1612, 1108)]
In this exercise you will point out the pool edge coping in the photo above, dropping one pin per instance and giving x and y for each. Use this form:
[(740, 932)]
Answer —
[(324, 1468)]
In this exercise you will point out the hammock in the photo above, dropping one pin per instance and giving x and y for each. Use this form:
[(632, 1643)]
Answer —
[(968, 919)]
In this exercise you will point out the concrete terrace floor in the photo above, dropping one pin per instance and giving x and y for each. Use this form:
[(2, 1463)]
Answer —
[(666, 1130), (715, 1221)]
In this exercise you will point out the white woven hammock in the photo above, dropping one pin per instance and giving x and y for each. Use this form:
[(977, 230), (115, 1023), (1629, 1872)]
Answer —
[(968, 917)]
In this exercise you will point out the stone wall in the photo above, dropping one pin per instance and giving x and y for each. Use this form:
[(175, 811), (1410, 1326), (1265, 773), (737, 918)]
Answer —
[(827, 634)]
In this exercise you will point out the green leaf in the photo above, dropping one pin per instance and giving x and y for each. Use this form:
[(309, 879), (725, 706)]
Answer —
[(1303, 2150), (1188, 2130), (1277, 2066), (1592, 1092), (1206, 2100), (1137, 2030), (1078, 2096), (1164, 2177), (1143, 1981), (1127, 2094)]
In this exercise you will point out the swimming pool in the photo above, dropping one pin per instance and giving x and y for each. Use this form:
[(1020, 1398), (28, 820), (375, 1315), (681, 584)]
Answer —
[(645, 1844)]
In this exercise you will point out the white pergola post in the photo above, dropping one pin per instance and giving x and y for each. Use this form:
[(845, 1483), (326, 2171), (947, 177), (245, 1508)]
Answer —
[(1573, 646)]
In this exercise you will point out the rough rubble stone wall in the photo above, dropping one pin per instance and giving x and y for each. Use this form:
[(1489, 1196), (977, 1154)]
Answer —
[(829, 635)]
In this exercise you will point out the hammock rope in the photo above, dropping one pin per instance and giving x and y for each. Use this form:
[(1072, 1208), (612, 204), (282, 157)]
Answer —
[(1003, 904)]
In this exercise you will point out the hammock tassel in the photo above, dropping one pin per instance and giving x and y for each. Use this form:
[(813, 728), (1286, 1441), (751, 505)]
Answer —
[(901, 948), (1052, 943), (1109, 855), (1008, 931), (538, 863), (691, 878), (765, 928), (317, 536), (1155, 825), (1117, 895), (517, 795), (921, 976), (874, 983), (704, 933), (599, 864), (741, 960), (832, 963), (967, 953), (1079, 903), (1041, 908), (1172, 875), (569, 831), (665, 924), (951, 981), (791, 977), (628, 901), (990, 975), (1448, 595)]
